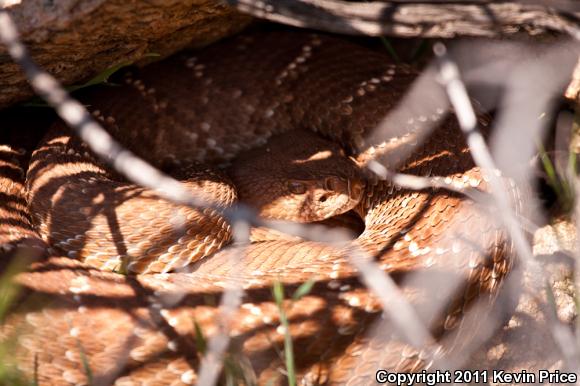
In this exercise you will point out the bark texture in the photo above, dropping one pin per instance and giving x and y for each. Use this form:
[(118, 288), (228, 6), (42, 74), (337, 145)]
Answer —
[(421, 18)]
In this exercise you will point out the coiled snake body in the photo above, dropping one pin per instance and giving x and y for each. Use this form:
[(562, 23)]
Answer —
[(210, 106)]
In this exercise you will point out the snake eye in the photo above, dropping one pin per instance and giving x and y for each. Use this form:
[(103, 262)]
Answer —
[(335, 184), (330, 183), (296, 187)]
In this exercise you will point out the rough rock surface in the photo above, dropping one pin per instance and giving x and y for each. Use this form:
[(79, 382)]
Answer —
[(527, 341), (77, 39)]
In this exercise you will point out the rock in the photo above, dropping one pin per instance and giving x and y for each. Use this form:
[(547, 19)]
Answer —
[(77, 39), (527, 341)]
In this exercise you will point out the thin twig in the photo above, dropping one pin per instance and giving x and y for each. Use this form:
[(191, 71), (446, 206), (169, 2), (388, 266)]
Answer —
[(394, 304), (413, 182), (449, 76), (212, 362), (457, 93)]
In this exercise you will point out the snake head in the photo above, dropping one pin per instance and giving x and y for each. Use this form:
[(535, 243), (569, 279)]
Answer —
[(298, 176), (316, 198)]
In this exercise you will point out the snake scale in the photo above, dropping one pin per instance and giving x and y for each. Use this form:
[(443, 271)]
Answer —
[(256, 93)]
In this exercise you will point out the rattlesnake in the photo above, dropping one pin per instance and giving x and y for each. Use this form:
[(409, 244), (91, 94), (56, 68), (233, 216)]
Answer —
[(210, 106)]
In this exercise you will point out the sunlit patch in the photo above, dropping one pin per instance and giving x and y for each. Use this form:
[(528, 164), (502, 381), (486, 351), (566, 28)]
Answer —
[(188, 377), (59, 140), (172, 346), (99, 199), (398, 246), (79, 285), (321, 155)]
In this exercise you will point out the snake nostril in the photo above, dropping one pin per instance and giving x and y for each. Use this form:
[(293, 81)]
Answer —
[(323, 198)]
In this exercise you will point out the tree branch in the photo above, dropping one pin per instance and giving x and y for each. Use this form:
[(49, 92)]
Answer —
[(419, 18)]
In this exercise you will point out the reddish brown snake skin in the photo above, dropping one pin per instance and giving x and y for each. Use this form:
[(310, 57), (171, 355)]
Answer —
[(211, 106)]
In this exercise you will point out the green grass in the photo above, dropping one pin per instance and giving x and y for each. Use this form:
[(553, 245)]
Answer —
[(390, 49), (99, 79), (85, 363), (200, 341), (278, 294), (561, 181), (8, 289), (9, 373), (237, 367), (122, 269)]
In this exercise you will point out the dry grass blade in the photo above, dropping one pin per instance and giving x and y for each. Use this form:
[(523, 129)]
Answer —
[(413, 182), (394, 304), (212, 362), (457, 93), (449, 74)]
